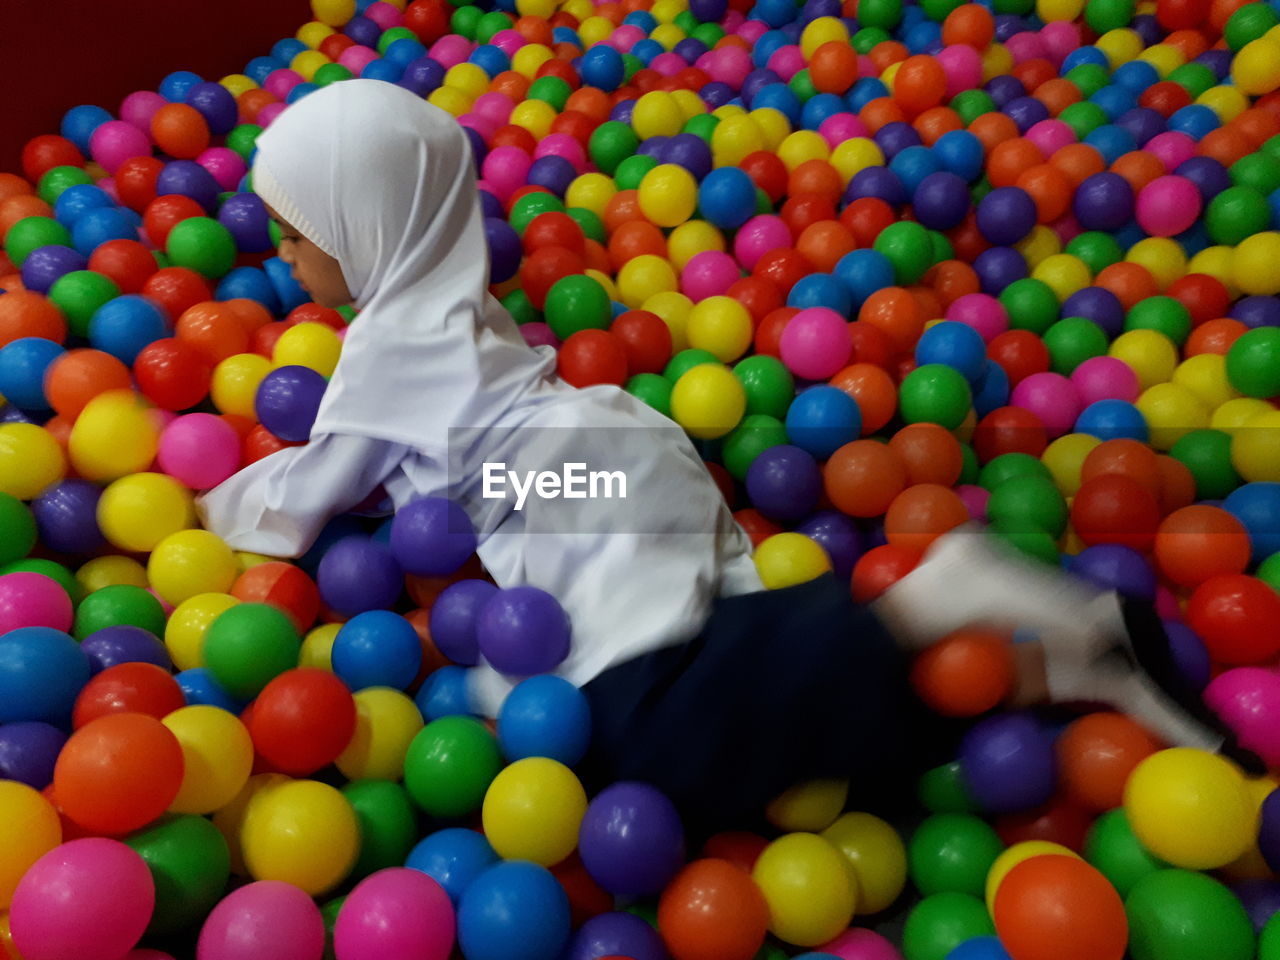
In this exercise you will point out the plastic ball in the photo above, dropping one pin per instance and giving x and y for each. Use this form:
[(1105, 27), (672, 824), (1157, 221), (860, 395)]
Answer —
[(711, 909), (248, 645), (809, 889), (139, 511), (30, 460), (43, 671), (522, 631), (631, 840), (449, 766), (377, 648), (262, 920), (1047, 901), (536, 790), (1177, 910), (1008, 763), (423, 925), (217, 757), (513, 907)]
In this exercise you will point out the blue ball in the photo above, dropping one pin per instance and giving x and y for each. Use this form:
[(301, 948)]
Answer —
[(821, 290), (646, 50), (200, 689), (288, 293), (956, 345), (1114, 100), (78, 124), (979, 948), (453, 858), (822, 419), (406, 50), (123, 326), (1111, 141), (514, 909), (175, 86), (960, 152), (642, 19), (79, 199), (913, 164), (41, 673), (259, 68), (23, 364), (863, 272), (819, 107), (300, 91), (492, 60), (95, 227), (382, 69), (251, 283), (1195, 120), (545, 716), (602, 67), (727, 197), (1082, 55), (566, 35), (444, 694), (992, 389), (780, 97), (1135, 76), (1113, 420), (377, 649), (1257, 506), (864, 91)]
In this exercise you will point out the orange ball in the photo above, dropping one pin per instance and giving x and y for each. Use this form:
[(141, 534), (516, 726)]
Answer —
[(1057, 94), (1130, 282), (951, 280), (880, 568), (1257, 125), (78, 376), (921, 514), (12, 185), (1078, 161), (27, 314), (1097, 753), (636, 238), (1139, 168), (919, 84), (864, 477), (19, 207), (213, 329), (966, 673), (994, 128), (1177, 484), (622, 207), (1199, 542), (816, 176), (180, 131), (1128, 458), (888, 52), (1049, 188), (874, 391), (931, 453), (1215, 336), (895, 312), (880, 112), (824, 243), (934, 122), (1060, 908), (1010, 159), (833, 67), (712, 910), (971, 24), (1226, 145)]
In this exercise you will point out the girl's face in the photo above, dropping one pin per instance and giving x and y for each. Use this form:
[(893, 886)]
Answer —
[(318, 273)]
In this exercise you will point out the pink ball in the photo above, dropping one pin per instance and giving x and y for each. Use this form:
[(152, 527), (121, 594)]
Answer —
[(1167, 605), (493, 106), (1051, 397), (1051, 136), (1167, 206), (981, 311), (625, 37), (708, 274), (1067, 227), (451, 50), (227, 166), (1248, 701), (384, 15), (733, 21), (962, 66), (280, 82), (1060, 38), (867, 67), (1171, 148), (975, 500), (139, 107), (668, 64), (508, 41), (1105, 378), (33, 600), (537, 334), (90, 899), (1025, 46), (267, 920), (200, 450), (481, 125), (759, 235), (562, 145), (115, 141), (268, 114), (395, 914), (815, 343), (859, 944), (752, 30), (505, 169), (108, 186), (839, 127), (356, 58), (787, 61), (730, 65)]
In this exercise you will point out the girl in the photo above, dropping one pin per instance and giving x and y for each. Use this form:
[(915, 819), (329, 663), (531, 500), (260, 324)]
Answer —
[(721, 693)]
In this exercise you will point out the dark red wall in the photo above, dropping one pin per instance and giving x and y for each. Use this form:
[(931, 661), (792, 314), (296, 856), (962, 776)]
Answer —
[(55, 54)]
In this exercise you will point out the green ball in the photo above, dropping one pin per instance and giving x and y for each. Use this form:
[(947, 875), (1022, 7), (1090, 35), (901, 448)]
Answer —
[(31, 233), (1183, 915), (702, 125), (907, 246), (590, 223), (329, 914), (654, 389), (249, 645), (1029, 503), (391, 36), (943, 790), (942, 248), (577, 302), (632, 170), (116, 605), (647, 912), (935, 393), (972, 104), (970, 467), (884, 14), (202, 244), (1084, 118), (631, 65), (1207, 454), (940, 923), (1269, 572), (274, 233), (532, 205), (952, 853), (1104, 15), (801, 84), (1248, 24), (465, 20), (331, 73), (1257, 170), (17, 529), (552, 90), (769, 952), (763, 203), (980, 189), (348, 312), (1253, 363), (1016, 7), (685, 20), (244, 139), (48, 568), (1089, 77), (1269, 942), (1036, 544), (937, 10), (708, 33), (868, 38), (1117, 853), (1272, 146), (1031, 305), (190, 864), (769, 385), (1011, 466), (522, 310), (1072, 341), (388, 824), (1098, 250), (1195, 78), (1161, 314), (686, 360), (1236, 213), (750, 438), (57, 179), (491, 24), (449, 766), (611, 143)]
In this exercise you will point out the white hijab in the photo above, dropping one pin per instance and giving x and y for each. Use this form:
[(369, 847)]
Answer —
[(385, 182)]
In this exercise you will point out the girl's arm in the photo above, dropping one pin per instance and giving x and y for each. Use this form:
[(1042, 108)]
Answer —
[(278, 505)]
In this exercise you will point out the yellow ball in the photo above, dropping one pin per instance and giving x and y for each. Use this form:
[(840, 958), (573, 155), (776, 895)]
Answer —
[(308, 62), (808, 807), (138, 511), (29, 828), (809, 886), (578, 9), (1164, 57), (721, 325), (785, 559), (184, 633), (1120, 45), (542, 9), (317, 647), (467, 77), (996, 61), (536, 116), (302, 832), (118, 433), (1255, 450), (109, 571), (1191, 808), (1256, 66), (1063, 274), (1171, 413), (386, 721), (246, 561), (673, 308), (773, 124), (333, 12), (729, 110), (708, 401), (605, 281), (311, 345), (854, 156), (734, 138), (802, 146), (667, 34), (591, 191), (313, 34), (1163, 258), (1251, 865), (890, 75), (30, 460), (217, 756), (1217, 262), (1205, 375), (235, 384), (1051, 11), (230, 818), (878, 857), (1256, 266), (1065, 460), (690, 103), (451, 100), (1150, 354), (668, 195), (643, 276), (594, 30), (1234, 414), (237, 83), (822, 30), (665, 11), (692, 238), (532, 811), (1039, 245), (1227, 102), (529, 58), (189, 563), (1016, 855)]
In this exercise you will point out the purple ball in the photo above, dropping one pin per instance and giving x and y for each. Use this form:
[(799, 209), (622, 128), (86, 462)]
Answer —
[(997, 267), (479, 149), (880, 182), (616, 934), (622, 110), (689, 49), (784, 483), (1008, 763), (554, 173), (363, 31), (245, 216), (491, 206), (1260, 899), (432, 537), (1189, 654), (358, 574), (124, 643), (689, 151), (505, 250), (1005, 88), (941, 201), (1115, 567), (1026, 112), (1104, 201), (44, 266), (1257, 311), (454, 616), (631, 840), (1148, 28), (1142, 122), (523, 631), (895, 137), (216, 104), (1269, 831), (67, 517), (1219, 61), (1006, 215), (188, 178), (715, 94), (1209, 176), (838, 535), (709, 11), (422, 76), (287, 401), (1099, 305), (756, 81), (653, 147), (28, 751)]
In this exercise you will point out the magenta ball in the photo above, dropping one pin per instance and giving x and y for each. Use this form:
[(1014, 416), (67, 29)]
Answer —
[(139, 107), (984, 313), (1051, 136), (839, 127), (90, 899), (1248, 701), (1105, 378), (280, 82), (395, 914), (33, 600), (1051, 397), (268, 114), (450, 50), (356, 58), (200, 450), (758, 236), (858, 943), (708, 274), (506, 168), (815, 343), (267, 920), (116, 141), (975, 499), (962, 66), (538, 334), (494, 107), (1168, 206), (1171, 148), (225, 165)]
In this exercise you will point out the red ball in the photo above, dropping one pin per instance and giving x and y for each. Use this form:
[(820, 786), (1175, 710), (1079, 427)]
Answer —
[(260, 443), (1020, 352), (553, 229), (576, 124), (784, 268), (172, 374), (645, 339), (759, 295), (136, 181), (1059, 821), (768, 337), (1236, 616), (1009, 430), (127, 262), (429, 19), (767, 172), (587, 898), (42, 154), (177, 289), (128, 688), (314, 313), (870, 345), (302, 720), (283, 586), (263, 340), (739, 847), (1205, 297), (723, 480), (866, 217), (165, 213), (880, 568), (513, 136), (333, 45), (1182, 14), (542, 268), (758, 527), (806, 209), (1112, 508), (1165, 97), (592, 356)]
